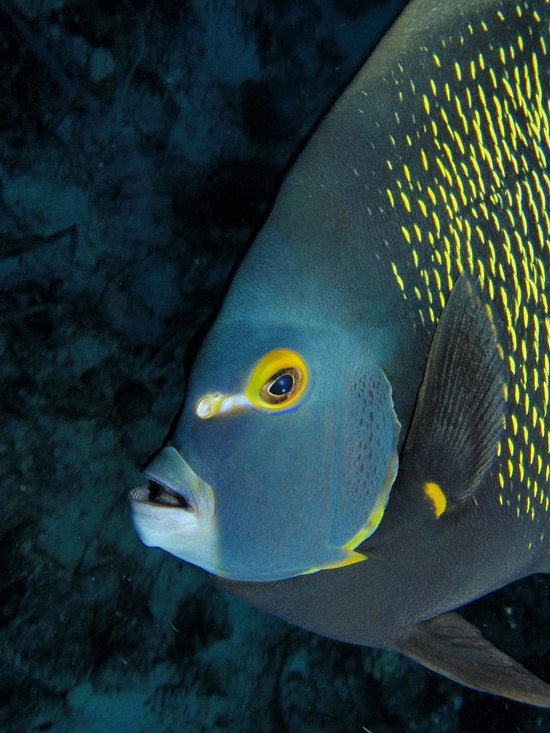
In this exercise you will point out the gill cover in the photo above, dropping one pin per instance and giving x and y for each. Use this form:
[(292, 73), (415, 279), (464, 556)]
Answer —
[(296, 435)]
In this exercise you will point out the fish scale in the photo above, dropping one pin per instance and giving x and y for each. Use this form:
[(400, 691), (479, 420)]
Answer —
[(471, 194)]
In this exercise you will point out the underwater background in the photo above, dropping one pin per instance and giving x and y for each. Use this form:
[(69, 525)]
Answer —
[(141, 145)]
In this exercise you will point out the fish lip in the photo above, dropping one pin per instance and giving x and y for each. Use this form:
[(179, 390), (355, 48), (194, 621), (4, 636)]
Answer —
[(154, 491), (173, 485)]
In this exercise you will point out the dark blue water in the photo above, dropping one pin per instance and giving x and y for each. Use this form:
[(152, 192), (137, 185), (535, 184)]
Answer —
[(141, 144)]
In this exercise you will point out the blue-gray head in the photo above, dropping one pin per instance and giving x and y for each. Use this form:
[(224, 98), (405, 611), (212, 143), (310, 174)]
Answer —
[(285, 452)]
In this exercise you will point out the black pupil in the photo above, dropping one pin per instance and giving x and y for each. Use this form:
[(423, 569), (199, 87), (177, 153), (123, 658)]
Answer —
[(282, 385)]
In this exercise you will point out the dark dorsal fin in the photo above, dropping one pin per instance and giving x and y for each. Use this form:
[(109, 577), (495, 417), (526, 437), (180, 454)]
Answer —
[(458, 417), (452, 646)]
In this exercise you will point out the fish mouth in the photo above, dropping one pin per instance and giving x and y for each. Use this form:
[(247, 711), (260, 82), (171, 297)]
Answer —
[(159, 495), (173, 485)]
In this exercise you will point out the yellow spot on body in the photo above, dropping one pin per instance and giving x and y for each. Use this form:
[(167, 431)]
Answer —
[(457, 71), (397, 276), (406, 201)]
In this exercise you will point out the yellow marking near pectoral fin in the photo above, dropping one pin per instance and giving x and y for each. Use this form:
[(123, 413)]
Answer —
[(436, 495)]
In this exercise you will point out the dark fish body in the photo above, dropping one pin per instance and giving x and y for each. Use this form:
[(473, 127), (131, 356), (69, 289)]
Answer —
[(416, 222)]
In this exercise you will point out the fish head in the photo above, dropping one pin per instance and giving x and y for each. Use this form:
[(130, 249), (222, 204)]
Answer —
[(282, 459)]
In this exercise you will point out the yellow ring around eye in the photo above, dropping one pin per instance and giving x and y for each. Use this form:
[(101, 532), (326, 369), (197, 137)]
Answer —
[(274, 364)]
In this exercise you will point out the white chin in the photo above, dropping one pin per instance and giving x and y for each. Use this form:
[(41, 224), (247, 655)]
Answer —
[(176, 531)]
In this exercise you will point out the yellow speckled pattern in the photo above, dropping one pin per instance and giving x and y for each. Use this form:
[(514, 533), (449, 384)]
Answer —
[(471, 189)]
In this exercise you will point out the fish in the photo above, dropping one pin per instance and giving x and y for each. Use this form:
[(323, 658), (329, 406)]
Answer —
[(364, 444)]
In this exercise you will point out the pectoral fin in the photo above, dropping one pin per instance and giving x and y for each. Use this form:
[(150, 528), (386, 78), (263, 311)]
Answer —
[(455, 648), (457, 421)]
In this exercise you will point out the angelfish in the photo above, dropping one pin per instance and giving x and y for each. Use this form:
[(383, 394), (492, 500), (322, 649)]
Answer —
[(364, 445)]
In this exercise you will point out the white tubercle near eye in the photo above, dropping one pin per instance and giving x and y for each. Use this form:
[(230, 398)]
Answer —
[(209, 405), (217, 403)]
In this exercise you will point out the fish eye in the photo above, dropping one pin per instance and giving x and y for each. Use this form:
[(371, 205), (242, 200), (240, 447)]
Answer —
[(278, 380), (281, 386)]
